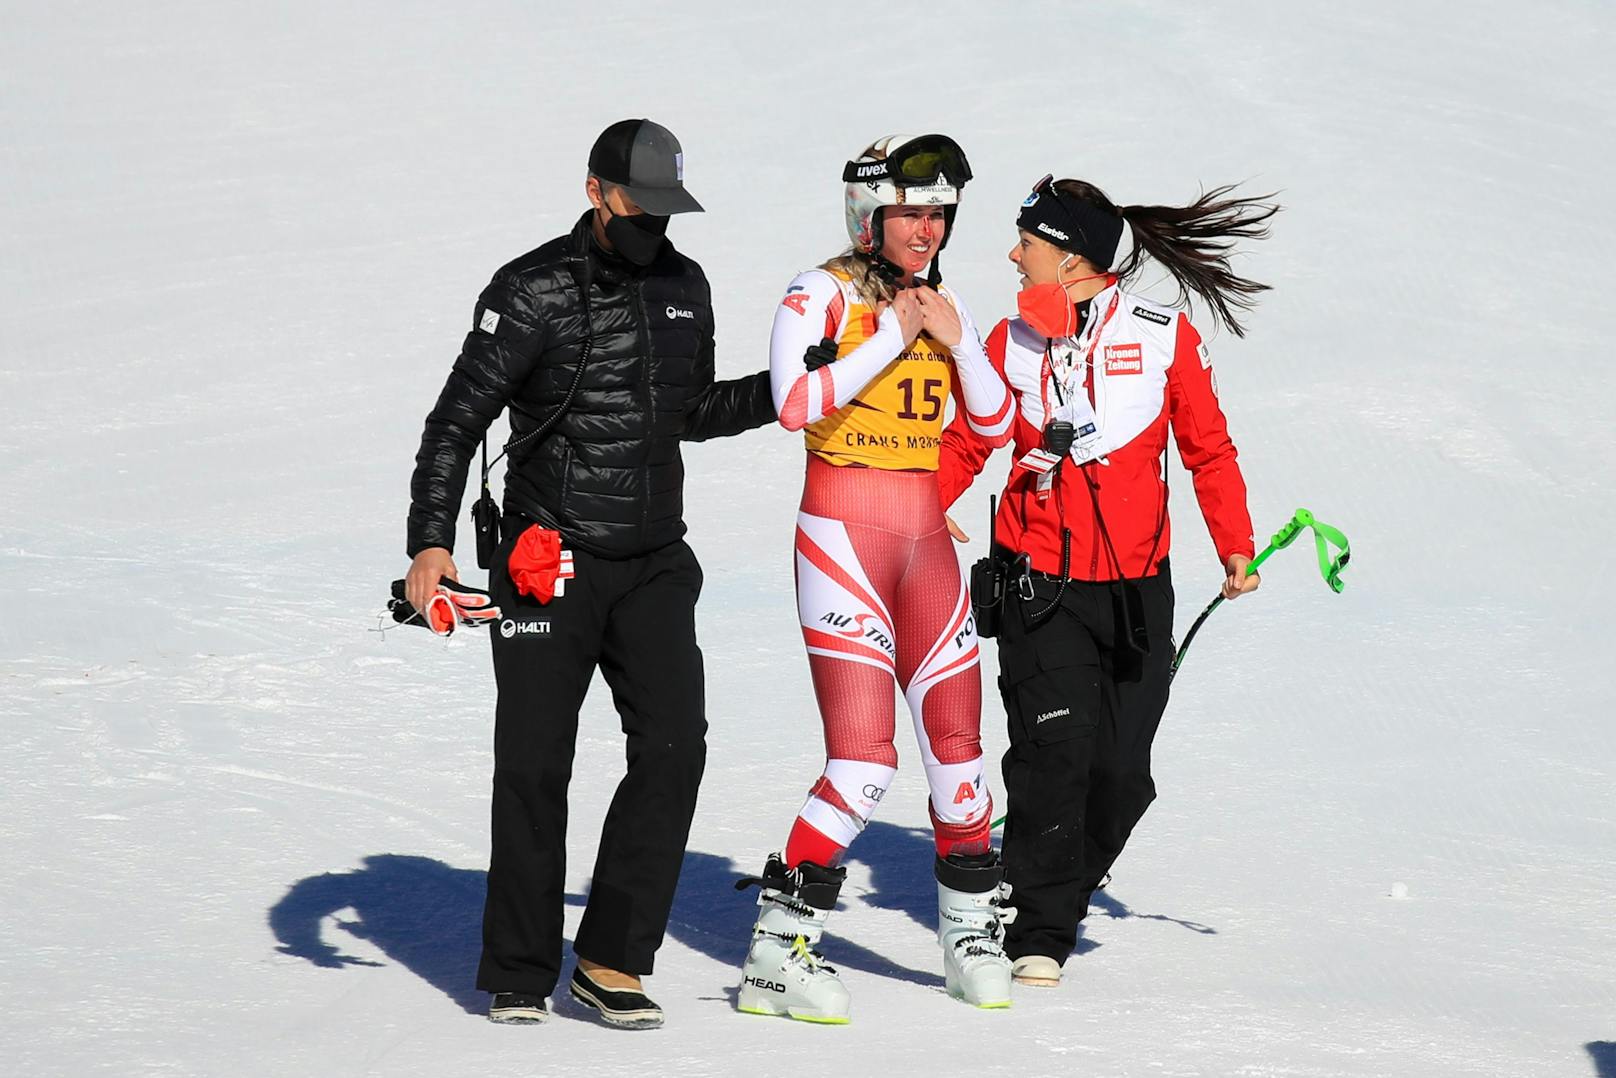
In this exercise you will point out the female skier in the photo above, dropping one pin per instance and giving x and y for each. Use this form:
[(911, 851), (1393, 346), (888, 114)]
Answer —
[(1099, 376), (879, 588)]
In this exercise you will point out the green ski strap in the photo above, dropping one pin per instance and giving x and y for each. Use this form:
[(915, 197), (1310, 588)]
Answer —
[(1325, 536)]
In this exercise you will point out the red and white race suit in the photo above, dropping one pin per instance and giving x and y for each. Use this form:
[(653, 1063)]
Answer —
[(879, 589)]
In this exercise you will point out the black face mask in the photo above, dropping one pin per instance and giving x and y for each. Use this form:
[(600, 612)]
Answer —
[(638, 238)]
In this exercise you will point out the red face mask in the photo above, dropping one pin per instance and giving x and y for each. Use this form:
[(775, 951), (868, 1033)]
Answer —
[(1049, 310)]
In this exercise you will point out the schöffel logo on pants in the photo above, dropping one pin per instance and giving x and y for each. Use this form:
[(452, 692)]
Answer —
[(510, 628)]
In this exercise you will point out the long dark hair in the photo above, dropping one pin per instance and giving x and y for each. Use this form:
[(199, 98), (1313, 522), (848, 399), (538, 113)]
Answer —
[(1193, 243)]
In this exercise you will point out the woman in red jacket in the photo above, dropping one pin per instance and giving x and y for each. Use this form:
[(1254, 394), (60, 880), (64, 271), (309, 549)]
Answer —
[(1100, 376)]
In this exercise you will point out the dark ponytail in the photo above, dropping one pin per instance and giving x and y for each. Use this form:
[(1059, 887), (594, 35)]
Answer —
[(1193, 243)]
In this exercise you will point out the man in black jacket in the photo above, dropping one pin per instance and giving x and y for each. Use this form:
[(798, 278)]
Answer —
[(600, 343)]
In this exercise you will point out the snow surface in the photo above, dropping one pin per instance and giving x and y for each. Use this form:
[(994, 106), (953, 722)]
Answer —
[(244, 835)]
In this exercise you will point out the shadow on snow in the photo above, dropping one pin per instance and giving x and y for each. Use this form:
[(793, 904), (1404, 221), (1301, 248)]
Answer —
[(426, 915)]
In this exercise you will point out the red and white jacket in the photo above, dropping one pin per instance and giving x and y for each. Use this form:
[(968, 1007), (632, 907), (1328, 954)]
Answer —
[(1137, 368)]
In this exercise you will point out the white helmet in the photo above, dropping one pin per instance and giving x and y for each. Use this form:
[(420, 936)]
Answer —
[(902, 170)]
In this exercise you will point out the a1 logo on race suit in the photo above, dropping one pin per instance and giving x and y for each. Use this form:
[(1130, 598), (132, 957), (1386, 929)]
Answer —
[(796, 298)]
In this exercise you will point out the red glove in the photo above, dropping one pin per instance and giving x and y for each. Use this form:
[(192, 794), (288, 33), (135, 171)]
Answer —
[(451, 604)]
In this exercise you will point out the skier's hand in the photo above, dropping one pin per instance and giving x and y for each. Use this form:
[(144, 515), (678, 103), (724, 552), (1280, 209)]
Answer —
[(955, 530), (429, 566), (817, 355), (1238, 582), (911, 316), (938, 316)]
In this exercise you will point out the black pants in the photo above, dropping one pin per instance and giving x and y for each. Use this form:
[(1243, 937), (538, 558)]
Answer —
[(634, 618), (1083, 712)]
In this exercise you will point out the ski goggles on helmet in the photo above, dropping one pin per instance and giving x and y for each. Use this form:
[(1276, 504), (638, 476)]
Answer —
[(919, 162)]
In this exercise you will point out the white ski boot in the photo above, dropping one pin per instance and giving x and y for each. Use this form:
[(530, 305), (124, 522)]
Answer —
[(783, 973), (971, 916)]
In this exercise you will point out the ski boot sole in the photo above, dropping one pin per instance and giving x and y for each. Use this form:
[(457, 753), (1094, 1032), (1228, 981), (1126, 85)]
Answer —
[(990, 1005), (799, 1016), (955, 992)]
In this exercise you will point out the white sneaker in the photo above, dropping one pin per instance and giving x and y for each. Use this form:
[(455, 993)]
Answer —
[(783, 973), (1036, 971), (970, 927)]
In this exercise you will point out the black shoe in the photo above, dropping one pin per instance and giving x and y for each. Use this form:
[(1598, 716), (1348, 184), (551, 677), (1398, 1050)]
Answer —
[(518, 1008), (625, 1008)]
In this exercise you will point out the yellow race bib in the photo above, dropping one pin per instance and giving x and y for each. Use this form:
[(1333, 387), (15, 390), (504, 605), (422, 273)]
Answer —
[(896, 423)]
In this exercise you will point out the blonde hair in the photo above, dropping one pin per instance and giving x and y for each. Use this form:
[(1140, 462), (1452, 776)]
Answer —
[(871, 287)]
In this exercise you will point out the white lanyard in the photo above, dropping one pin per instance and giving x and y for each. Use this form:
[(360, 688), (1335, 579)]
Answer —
[(1073, 405)]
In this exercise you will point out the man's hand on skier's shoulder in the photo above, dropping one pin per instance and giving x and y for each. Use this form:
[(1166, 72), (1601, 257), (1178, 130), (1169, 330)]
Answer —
[(817, 355)]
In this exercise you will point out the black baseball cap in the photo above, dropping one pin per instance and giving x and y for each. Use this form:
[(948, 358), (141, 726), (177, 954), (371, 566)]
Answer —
[(644, 159)]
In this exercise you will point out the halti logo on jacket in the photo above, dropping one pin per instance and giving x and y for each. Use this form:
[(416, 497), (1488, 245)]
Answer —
[(679, 312), (511, 627), (1153, 316), (1124, 359)]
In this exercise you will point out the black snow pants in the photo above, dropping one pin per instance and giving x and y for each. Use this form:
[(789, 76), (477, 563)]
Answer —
[(635, 619), (1083, 710)]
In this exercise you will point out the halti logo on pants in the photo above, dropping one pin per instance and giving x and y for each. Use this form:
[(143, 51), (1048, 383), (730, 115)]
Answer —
[(510, 627)]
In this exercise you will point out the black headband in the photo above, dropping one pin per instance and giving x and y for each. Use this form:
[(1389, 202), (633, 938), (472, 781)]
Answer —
[(1072, 224)]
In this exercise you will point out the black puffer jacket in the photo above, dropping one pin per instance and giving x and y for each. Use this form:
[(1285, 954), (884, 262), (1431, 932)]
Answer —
[(608, 475)]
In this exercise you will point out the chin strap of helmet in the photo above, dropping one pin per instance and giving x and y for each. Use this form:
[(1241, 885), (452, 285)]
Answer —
[(884, 268)]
